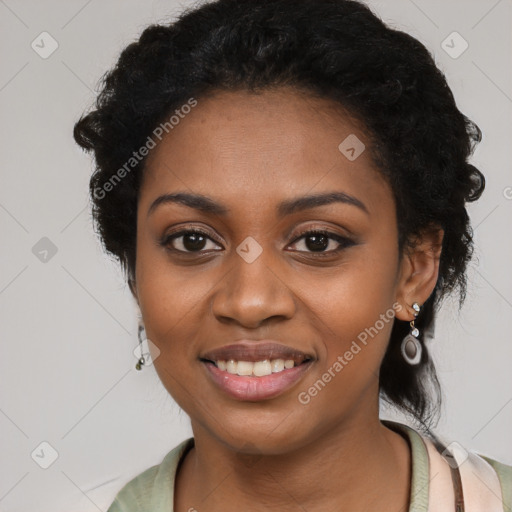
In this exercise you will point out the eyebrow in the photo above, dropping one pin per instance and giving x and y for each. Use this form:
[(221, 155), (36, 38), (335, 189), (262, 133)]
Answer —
[(287, 207)]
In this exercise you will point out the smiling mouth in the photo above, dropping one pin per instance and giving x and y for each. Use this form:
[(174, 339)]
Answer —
[(260, 368)]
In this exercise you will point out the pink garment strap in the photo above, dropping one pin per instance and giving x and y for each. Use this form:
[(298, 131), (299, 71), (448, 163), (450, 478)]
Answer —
[(441, 496), (480, 484)]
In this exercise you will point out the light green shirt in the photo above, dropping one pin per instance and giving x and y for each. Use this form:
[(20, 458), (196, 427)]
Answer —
[(153, 489)]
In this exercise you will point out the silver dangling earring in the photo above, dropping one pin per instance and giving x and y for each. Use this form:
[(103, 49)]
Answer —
[(141, 362), (411, 347)]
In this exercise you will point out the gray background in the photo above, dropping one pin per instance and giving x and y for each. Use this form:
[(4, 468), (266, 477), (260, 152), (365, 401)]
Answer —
[(68, 324)]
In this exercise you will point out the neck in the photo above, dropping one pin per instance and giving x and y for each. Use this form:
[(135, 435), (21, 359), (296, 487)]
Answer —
[(359, 465)]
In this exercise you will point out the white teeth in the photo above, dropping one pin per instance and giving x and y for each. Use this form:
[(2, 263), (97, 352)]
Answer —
[(256, 369), (244, 368), (277, 365), (231, 366), (262, 368)]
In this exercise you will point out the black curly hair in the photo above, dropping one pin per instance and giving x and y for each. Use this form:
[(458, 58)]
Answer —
[(335, 49)]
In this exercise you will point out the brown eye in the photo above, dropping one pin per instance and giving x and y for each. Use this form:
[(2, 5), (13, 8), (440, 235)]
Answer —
[(191, 241), (317, 241)]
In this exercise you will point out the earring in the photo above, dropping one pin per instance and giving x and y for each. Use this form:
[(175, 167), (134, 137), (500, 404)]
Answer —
[(141, 361), (411, 347)]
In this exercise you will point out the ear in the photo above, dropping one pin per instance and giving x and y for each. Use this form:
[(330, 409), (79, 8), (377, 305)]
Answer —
[(419, 270)]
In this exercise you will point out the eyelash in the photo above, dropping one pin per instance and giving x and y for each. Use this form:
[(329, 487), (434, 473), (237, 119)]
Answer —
[(343, 241)]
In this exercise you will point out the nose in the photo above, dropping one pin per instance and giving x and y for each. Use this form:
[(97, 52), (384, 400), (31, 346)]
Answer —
[(250, 294)]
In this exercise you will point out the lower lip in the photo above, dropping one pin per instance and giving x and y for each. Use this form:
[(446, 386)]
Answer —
[(254, 389)]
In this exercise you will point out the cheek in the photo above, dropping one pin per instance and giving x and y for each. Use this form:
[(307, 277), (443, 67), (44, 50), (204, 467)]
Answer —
[(170, 300), (354, 309), (170, 305), (354, 321)]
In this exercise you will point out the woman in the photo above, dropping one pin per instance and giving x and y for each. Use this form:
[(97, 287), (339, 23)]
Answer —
[(284, 184)]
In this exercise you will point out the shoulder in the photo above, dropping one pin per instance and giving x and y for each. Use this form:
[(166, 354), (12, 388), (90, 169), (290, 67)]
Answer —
[(504, 472), (153, 489), (483, 478)]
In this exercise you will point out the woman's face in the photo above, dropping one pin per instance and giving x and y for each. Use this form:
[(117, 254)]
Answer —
[(254, 277)]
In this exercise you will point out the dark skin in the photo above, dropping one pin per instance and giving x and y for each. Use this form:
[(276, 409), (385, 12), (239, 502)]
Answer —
[(250, 152)]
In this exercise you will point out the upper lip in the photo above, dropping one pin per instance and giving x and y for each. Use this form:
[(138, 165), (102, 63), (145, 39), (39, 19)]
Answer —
[(246, 350)]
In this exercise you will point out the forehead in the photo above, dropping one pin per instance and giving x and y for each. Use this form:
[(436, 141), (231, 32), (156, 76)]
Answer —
[(241, 146)]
